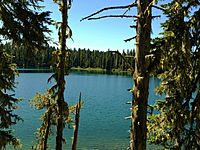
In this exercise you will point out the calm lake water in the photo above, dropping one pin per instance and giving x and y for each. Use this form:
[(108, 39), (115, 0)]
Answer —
[(102, 125)]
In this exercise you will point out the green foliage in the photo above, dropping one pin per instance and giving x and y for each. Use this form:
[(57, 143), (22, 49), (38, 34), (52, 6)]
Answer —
[(6, 138), (175, 124), (25, 28), (57, 109), (56, 60), (22, 24), (84, 58), (7, 102), (47, 102)]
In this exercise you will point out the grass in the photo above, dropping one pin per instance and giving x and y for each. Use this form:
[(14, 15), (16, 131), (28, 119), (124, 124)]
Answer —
[(101, 70)]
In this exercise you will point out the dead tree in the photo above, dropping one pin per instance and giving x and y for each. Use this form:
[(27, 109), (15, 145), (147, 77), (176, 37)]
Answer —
[(76, 126), (138, 134)]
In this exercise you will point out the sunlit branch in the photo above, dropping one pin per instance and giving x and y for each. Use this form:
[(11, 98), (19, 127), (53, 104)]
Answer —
[(109, 8), (112, 16), (129, 39)]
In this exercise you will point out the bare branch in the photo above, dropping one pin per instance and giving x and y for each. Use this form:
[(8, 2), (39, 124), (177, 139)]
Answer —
[(126, 11), (133, 26), (158, 16), (124, 58), (109, 8), (112, 16), (157, 7), (129, 39)]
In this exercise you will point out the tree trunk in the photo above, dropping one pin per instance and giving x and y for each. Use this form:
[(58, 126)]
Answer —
[(47, 128), (61, 80), (141, 78), (77, 118)]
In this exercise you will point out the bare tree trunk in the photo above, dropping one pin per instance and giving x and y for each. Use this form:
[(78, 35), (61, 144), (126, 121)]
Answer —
[(47, 129), (61, 80), (141, 78), (46, 136), (77, 118)]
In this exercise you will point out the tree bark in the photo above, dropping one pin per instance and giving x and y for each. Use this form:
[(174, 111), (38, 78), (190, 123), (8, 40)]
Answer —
[(141, 78), (77, 119), (61, 80), (47, 128)]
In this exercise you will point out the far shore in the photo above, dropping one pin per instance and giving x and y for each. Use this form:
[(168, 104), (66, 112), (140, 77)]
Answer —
[(79, 69)]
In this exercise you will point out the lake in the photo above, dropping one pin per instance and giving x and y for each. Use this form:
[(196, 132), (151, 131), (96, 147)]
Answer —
[(102, 123)]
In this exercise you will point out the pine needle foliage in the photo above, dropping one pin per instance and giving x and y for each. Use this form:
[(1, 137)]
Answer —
[(8, 103), (23, 25), (47, 103), (176, 122)]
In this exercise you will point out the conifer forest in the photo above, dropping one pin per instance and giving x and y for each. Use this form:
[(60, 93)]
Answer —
[(172, 57)]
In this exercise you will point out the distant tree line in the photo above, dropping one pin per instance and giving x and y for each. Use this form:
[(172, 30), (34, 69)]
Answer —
[(99, 59), (83, 58)]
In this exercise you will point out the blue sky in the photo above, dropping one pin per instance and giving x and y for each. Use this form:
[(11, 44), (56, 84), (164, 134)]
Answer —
[(101, 34)]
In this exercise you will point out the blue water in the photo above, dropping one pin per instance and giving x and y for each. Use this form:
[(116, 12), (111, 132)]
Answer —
[(102, 125)]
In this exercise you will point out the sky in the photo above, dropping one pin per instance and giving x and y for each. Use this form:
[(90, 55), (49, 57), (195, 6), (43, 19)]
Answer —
[(101, 34)]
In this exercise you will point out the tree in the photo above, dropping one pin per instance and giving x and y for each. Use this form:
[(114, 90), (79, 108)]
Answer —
[(141, 77), (47, 102), (138, 129), (22, 26), (175, 125), (7, 102), (59, 68), (54, 100)]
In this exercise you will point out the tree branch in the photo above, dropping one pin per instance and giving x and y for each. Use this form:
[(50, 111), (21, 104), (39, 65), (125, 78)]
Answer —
[(124, 58), (133, 26), (157, 7), (126, 11), (158, 16), (109, 8), (129, 39), (112, 16)]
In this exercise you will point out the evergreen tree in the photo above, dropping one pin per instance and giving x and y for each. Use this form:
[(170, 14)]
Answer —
[(23, 26), (7, 101), (59, 68), (176, 122), (57, 108)]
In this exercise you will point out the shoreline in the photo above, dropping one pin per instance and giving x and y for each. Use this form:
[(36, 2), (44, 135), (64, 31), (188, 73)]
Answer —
[(78, 69)]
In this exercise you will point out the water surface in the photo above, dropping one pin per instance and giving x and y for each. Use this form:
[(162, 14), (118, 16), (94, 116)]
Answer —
[(102, 124)]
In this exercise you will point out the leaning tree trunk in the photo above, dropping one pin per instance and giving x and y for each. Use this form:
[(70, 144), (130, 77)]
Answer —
[(46, 136), (141, 77), (77, 120), (61, 80)]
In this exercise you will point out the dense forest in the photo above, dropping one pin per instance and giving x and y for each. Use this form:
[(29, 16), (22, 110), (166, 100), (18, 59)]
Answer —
[(83, 58), (172, 122)]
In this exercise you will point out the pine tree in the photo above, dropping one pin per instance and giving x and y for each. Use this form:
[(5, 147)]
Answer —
[(175, 124), (57, 109), (22, 26), (7, 101)]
